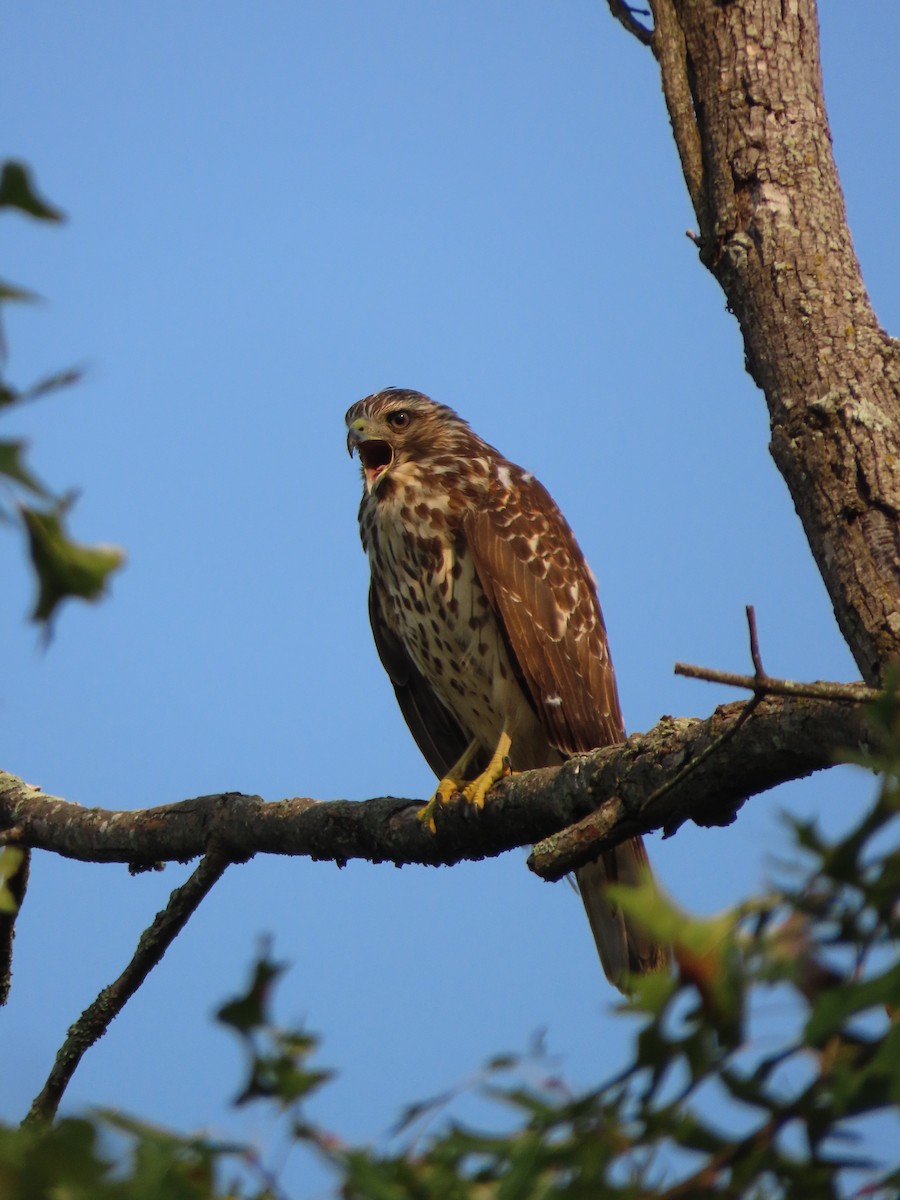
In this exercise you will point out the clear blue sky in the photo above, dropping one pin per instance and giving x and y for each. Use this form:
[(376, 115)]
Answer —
[(275, 209)]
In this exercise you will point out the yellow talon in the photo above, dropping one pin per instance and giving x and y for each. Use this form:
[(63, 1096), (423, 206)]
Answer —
[(475, 791), (496, 769), (445, 790), (453, 781)]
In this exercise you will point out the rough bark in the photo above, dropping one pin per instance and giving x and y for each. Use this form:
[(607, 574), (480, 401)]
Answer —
[(640, 786), (743, 87)]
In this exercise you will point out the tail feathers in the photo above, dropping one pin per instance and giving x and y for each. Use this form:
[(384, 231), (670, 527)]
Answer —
[(623, 946)]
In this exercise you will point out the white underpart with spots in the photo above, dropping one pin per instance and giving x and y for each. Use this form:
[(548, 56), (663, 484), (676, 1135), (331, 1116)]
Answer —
[(442, 616)]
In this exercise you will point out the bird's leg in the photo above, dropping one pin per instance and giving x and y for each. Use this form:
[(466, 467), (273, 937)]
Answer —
[(476, 789), (453, 781), (496, 769)]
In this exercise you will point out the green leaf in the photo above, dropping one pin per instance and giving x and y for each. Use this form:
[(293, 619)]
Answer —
[(12, 467), (17, 191), (19, 295), (50, 383), (835, 1005), (8, 395), (10, 861), (279, 1078), (656, 913), (706, 950), (59, 1160), (64, 567), (250, 1011), (418, 1109)]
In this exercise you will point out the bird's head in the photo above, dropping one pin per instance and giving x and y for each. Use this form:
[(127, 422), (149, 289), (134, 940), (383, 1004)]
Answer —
[(396, 426)]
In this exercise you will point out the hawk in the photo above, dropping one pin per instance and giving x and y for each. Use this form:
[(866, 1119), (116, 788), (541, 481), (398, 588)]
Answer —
[(486, 619)]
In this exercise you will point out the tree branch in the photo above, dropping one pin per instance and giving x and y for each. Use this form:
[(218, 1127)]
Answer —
[(624, 14), (627, 789), (785, 738), (96, 1018), (854, 693), (743, 88), (700, 783), (669, 51)]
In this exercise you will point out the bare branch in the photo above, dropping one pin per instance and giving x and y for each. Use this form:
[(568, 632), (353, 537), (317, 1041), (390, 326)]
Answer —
[(624, 14), (96, 1018), (582, 842), (755, 656), (718, 785), (669, 49), (850, 693), (630, 779)]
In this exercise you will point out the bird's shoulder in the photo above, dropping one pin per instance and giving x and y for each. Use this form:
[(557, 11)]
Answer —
[(520, 509)]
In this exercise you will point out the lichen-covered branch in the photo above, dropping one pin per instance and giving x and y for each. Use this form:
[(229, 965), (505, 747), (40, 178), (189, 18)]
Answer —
[(784, 738), (97, 1017)]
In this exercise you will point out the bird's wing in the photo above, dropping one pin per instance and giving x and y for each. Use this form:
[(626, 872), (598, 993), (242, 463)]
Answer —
[(545, 599), (544, 596), (437, 734)]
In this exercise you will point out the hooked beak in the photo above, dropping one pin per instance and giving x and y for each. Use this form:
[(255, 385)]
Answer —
[(375, 454)]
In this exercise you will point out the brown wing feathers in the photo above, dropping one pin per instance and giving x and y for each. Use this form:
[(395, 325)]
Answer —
[(538, 584), (542, 592)]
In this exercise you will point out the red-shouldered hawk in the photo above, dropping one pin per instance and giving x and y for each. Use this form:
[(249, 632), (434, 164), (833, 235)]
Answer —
[(486, 618)]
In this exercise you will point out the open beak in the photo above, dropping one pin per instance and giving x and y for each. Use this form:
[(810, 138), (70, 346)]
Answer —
[(375, 455)]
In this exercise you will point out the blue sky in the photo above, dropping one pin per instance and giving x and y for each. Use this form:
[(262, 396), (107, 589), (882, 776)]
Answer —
[(275, 209)]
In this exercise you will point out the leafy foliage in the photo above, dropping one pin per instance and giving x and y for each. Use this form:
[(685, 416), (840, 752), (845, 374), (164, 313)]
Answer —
[(706, 1107), (10, 861), (276, 1057), (62, 567), (17, 191)]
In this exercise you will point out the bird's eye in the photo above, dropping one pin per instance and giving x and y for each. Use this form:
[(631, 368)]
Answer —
[(398, 420)]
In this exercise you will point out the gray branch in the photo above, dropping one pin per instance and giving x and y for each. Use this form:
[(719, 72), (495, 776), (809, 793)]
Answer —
[(637, 787)]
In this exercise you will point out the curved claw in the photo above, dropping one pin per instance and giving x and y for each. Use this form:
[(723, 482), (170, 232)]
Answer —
[(446, 789), (473, 792)]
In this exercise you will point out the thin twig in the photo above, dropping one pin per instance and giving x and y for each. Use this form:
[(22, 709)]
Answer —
[(754, 643), (716, 744), (96, 1018), (703, 1181), (851, 693), (556, 856), (624, 14), (727, 734)]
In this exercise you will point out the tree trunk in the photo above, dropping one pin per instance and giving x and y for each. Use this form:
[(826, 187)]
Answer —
[(742, 82)]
